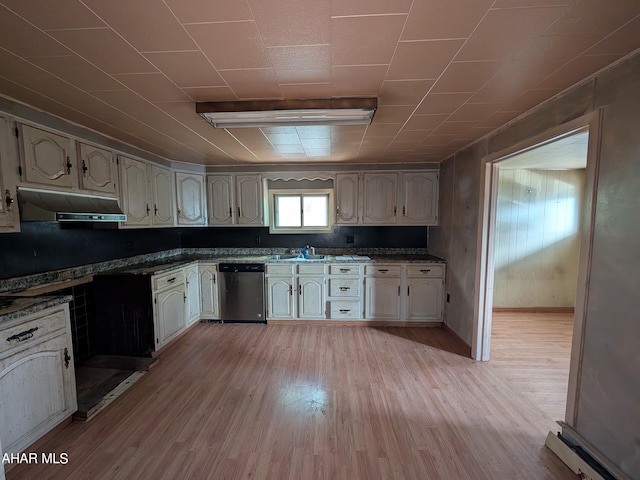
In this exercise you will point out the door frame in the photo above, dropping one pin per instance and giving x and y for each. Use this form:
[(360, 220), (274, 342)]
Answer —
[(480, 348)]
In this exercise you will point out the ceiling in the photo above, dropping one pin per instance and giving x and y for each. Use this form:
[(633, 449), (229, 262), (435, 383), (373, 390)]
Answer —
[(566, 153), (446, 72)]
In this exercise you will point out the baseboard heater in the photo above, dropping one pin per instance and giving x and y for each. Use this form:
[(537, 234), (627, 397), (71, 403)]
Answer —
[(568, 447)]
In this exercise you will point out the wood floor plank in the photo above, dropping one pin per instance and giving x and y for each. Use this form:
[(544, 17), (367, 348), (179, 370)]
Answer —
[(311, 402)]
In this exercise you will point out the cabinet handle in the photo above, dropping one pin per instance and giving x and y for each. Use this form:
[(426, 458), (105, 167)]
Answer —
[(8, 199), (148, 209), (184, 296), (238, 212), (155, 209), (171, 280), (84, 168), (26, 335), (408, 291), (395, 211), (230, 212), (345, 270), (383, 270), (179, 212), (291, 290), (67, 358), (69, 166), (299, 289), (398, 290), (345, 310), (404, 210), (214, 279), (344, 289), (427, 270)]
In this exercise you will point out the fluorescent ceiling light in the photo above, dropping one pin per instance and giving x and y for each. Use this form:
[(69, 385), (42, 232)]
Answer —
[(269, 113)]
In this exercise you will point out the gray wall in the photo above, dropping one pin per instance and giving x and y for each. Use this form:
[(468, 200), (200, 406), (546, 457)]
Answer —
[(608, 406)]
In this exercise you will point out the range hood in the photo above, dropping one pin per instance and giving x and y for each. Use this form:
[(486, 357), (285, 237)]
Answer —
[(47, 205)]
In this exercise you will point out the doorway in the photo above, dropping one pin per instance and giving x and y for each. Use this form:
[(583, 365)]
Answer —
[(534, 155)]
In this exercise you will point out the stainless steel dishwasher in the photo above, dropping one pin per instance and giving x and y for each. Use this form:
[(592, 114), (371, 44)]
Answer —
[(242, 293)]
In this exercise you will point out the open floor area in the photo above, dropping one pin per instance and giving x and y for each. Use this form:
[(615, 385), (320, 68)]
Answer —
[(312, 402)]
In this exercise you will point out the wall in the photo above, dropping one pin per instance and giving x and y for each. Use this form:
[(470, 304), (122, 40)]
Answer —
[(608, 403), (537, 237)]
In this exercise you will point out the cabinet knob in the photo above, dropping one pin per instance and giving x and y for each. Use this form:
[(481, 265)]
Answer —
[(84, 167), (8, 199), (69, 165), (67, 358)]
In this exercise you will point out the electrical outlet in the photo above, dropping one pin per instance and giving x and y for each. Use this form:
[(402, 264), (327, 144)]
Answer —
[(257, 240), (350, 239)]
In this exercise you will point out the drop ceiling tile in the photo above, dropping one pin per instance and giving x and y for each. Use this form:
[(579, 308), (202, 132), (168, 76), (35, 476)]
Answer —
[(292, 22), (465, 77), (369, 7), (210, 94), (623, 41), (364, 80), (14, 67), (301, 64), (442, 103), (23, 39), (422, 59), (530, 99), (124, 100), (414, 137), (78, 72), (131, 20), (375, 37), (444, 19), (474, 112), (575, 71), (426, 122), (502, 31), (383, 130), (186, 69), (314, 132), (594, 17), (531, 3), (306, 90), (397, 92), (255, 83), (105, 49), (252, 138), (453, 127), (440, 140), (152, 86), (504, 88), (393, 114), (54, 14), (202, 11), (247, 51), (497, 119)]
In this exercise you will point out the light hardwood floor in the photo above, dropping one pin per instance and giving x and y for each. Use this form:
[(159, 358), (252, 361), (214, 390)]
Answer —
[(311, 402)]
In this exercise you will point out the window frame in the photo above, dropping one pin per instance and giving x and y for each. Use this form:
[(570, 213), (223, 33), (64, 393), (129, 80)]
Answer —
[(310, 192)]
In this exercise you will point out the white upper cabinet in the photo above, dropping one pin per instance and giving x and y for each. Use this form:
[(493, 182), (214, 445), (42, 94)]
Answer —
[(419, 198), (98, 170), (47, 158), (235, 199), (135, 192), (163, 196), (9, 218), (191, 199), (347, 195), (380, 198)]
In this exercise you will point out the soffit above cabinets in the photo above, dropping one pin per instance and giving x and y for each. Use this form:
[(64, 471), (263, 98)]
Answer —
[(445, 72)]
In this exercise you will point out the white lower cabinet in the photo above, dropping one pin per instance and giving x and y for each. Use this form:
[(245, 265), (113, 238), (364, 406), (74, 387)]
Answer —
[(209, 306), (296, 292), (169, 306), (280, 299), (37, 376), (382, 292), (344, 292), (425, 292), (192, 282)]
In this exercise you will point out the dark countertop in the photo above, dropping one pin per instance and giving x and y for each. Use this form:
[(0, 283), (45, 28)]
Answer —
[(22, 306)]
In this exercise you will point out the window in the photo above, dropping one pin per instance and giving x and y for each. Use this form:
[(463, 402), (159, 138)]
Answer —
[(301, 211)]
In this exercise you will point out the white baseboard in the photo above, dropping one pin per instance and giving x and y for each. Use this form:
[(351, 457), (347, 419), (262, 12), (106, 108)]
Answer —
[(570, 458)]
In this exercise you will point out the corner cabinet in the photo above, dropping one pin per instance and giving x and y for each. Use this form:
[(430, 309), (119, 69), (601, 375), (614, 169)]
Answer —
[(191, 199), (208, 276), (235, 199), (192, 285), (37, 376), (9, 218)]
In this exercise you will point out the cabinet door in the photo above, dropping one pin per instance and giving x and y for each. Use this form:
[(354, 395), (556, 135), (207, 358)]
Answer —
[(424, 299), (209, 291), (420, 198), (163, 196), (382, 298), (37, 388), (380, 198), (47, 158), (190, 192), (311, 302), (220, 199), (135, 192), (98, 170), (170, 308), (193, 294), (9, 221), (249, 201), (347, 191), (280, 299)]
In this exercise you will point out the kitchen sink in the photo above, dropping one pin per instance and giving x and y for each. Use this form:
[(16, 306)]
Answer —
[(297, 258)]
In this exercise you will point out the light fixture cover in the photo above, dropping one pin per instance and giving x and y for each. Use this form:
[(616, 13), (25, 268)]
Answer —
[(269, 113)]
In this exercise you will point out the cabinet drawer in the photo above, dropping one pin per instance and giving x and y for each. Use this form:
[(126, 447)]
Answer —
[(317, 269), (344, 287), (348, 269), (350, 310), (383, 270), (166, 280), (425, 270), (32, 331), (276, 269)]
